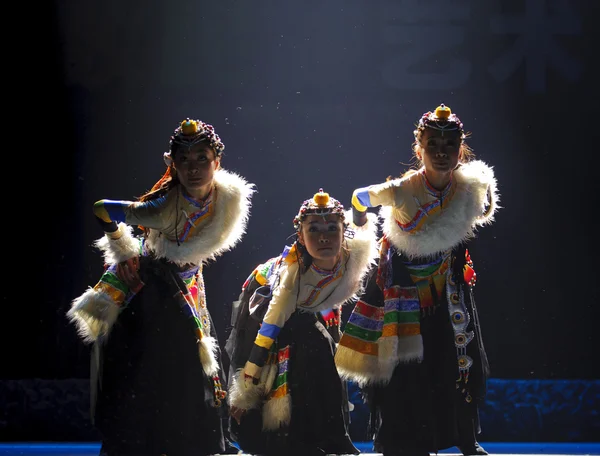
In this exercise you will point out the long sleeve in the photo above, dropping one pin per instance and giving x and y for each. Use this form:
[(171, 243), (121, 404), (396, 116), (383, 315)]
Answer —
[(96, 310), (281, 307), (385, 194), (150, 214)]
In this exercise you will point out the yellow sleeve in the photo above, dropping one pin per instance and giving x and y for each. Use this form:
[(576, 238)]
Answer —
[(281, 307), (385, 194), (150, 214)]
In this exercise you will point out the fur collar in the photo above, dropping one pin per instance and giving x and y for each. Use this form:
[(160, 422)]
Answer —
[(222, 232), (473, 204), (363, 253)]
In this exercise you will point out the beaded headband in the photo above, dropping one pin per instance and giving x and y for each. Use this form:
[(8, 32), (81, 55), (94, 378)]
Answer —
[(191, 132), (320, 204), (442, 119)]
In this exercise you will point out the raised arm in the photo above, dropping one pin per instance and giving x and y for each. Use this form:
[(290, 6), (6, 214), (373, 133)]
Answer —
[(384, 194), (108, 213), (149, 214)]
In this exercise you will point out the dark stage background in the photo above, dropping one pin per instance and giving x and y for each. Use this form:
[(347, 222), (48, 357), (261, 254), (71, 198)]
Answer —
[(305, 95)]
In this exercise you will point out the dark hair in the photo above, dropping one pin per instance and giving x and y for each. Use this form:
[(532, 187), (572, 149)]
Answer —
[(169, 180), (466, 155), (304, 258)]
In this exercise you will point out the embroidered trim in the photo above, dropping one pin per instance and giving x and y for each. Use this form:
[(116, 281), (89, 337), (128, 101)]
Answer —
[(440, 194), (324, 283), (325, 272), (460, 318)]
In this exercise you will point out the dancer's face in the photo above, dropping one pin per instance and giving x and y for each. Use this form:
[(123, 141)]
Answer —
[(322, 236), (439, 151), (195, 167)]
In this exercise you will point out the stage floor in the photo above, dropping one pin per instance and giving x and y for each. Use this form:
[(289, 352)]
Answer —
[(494, 448)]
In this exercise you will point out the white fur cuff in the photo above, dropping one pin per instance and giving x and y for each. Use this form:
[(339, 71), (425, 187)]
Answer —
[(244, 394), (93, 313), (277, 413), (208, 349), (118, 250)]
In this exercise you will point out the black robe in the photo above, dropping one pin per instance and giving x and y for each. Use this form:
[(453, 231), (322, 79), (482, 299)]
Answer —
[(424, 407), (319, 416), (153, 396)]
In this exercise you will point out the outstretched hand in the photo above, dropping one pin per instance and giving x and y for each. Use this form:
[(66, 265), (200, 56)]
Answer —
[(127, 272)]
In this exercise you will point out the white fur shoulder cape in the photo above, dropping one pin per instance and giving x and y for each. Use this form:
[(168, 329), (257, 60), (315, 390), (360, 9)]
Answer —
[(474, 204)]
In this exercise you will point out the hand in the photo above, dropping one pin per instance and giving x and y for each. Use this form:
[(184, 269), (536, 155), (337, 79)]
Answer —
[(359, 218), (127, 272), (237, 413)]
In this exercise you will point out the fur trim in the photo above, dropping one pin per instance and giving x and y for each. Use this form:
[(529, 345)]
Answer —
[(366, 369), (395, 350), (469, 208), (221, 233), (244, 394), (477, 170), (268, 376), (208, 349), (354, 366), (277, 413), (363, 255), (93, 313), (119, 250)]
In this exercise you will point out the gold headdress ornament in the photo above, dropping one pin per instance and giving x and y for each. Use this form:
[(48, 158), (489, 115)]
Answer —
[(190, 132), (442, 119), (320, 204)]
